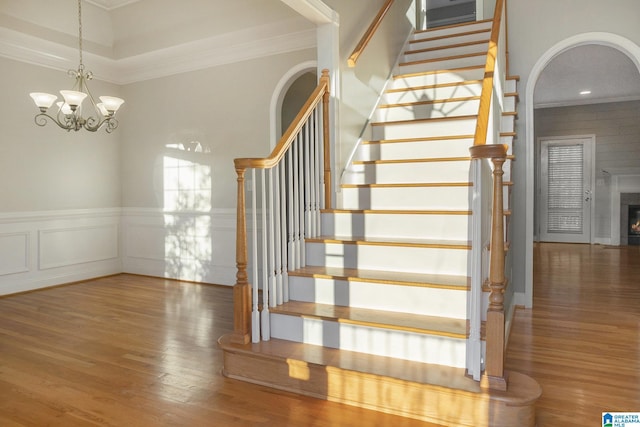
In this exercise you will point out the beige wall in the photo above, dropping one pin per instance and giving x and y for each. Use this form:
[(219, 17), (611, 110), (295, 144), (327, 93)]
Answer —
[(47, 168), (225, 108)]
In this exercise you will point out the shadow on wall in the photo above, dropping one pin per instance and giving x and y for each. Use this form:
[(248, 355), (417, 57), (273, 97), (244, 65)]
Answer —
[(188, 242)]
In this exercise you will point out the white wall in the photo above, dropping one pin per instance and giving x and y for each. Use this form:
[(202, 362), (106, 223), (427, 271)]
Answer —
[(203, 119), (60, 192), (534, 29), (360, 87)]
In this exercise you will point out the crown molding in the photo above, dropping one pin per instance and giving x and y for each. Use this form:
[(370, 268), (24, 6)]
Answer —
[(109, 5), (228, 48)]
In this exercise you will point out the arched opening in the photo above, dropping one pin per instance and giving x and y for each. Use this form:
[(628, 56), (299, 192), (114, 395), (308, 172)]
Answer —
[(597, 50), (289, 96)]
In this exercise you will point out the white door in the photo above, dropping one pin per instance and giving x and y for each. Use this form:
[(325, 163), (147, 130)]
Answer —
[(566, 170)]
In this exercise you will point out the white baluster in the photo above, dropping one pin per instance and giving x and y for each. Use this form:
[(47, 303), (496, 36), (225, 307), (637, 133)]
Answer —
[(291, 226), (283, 230), (307, 179), (275, 187), (266, 330), (272, 242), (300, 204), (296, 203), (255, 314)]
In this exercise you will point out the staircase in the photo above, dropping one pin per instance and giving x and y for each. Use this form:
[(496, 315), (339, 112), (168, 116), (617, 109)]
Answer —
[(378, 316)]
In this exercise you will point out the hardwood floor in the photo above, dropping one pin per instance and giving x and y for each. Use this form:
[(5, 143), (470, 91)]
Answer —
[(137, 351), (581, 341)]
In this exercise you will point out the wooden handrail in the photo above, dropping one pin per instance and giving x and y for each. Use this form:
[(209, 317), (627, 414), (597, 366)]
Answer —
[(368, 35), (320, 93), (242, 289), (484, 110)]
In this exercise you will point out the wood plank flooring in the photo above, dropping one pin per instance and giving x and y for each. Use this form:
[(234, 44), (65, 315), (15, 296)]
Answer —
[(137, 351), (581, 341)]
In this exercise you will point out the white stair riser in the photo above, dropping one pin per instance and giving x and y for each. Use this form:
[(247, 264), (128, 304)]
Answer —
[(511, 86), (510, 104), (508, 123), (414, 149), (431, 93), (430, 226), (406, 198), (388, 258), (425, 129), (451, 30), (428, 43), (378, 341), (389, 173), (403, 299), (429, 79), (441, 64), (428, 111), (441, 53)]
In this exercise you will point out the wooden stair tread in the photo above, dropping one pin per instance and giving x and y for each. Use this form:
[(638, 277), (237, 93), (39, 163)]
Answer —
[(397, 241), (440, 71), (429, 102), (428, 120), (450, 46), (443, 58), (434, 86), (397, 211), (448, 36), (385, 277), (412, 160), (419, 139), (396, 369), (413, 184), (417, 323), (458, 25)]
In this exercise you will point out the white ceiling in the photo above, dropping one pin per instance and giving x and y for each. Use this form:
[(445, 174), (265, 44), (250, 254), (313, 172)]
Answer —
[(605, 71)]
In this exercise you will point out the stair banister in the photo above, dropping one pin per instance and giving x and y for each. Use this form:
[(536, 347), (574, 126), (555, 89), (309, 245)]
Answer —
[(368, 35), (280, 220), (487, 146)]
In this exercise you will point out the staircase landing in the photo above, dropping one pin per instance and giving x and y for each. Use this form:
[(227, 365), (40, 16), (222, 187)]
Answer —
[(432, 393)]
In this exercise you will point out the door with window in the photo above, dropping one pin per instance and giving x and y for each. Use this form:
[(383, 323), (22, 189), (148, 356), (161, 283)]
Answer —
[(566, 170)]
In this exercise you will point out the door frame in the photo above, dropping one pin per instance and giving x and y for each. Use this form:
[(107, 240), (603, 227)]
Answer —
[(591, 145)]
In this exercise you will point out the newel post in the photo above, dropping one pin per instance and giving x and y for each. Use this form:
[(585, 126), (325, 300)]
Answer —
[(494, 374), (241, 290), (326, 139)]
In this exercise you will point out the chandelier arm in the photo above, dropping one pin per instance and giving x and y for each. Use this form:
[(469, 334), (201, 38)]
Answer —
[(41, 120)]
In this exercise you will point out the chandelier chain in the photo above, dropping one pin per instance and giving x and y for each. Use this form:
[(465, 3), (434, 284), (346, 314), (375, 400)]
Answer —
[(80, 32)]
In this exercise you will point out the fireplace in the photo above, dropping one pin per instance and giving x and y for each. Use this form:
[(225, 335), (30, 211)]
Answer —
[(634, 225)]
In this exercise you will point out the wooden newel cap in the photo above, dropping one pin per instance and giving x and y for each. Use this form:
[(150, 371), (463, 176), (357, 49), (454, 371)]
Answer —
[(488, 151)]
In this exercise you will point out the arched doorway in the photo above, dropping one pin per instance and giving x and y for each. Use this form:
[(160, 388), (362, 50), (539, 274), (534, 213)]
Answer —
[(621, 44), (290, 94)]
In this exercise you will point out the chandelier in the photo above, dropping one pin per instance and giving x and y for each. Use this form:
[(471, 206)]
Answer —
[(69, 114)]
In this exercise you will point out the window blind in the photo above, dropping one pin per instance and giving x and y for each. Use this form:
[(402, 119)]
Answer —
[(565, 188)]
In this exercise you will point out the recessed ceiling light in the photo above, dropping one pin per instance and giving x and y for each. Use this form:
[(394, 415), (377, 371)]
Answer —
[(585, 92)]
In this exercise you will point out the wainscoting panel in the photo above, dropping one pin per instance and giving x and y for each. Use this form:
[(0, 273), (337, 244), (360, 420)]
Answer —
[(42, 249), (14, 253), (192, 246)]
